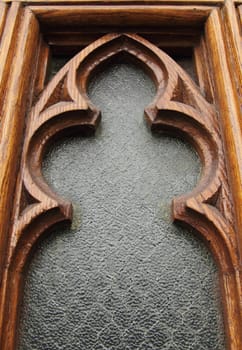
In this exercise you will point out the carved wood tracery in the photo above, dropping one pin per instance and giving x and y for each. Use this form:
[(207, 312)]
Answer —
[(178, 108)]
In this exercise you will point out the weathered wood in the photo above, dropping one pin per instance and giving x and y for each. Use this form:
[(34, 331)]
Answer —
[(18, 93)]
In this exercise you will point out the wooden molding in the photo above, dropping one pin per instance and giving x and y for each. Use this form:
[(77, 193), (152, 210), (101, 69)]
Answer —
[(146, 3), (227, 101), (232, 30), (120, 15), (240, 15), (123, 2), (3, 13), (16, 97), (9, 28), (207, 116)]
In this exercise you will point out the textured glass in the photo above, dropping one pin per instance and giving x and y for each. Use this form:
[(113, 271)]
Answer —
[(56, 63), (123, 277)]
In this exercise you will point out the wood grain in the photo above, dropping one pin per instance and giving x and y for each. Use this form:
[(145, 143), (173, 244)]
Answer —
[(240, 15), (202, 69), (7, 45), (229, 113), (230, 124), (233, 42), (126, 2), (13, 121), (29, 207), (120, 16), (42, 67), (178, 109), (175, 40), (3, 14)]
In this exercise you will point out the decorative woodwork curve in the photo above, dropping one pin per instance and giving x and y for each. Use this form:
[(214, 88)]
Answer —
[(178, 108), (207, 208)]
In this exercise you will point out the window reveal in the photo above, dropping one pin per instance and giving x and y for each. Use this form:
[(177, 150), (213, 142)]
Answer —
[(228, 280)]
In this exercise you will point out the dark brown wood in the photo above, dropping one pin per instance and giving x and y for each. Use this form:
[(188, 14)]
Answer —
[(207, 116), (240, 15), (174, 40)]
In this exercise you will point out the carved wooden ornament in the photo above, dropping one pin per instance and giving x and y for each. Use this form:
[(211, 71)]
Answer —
[(178, 108)]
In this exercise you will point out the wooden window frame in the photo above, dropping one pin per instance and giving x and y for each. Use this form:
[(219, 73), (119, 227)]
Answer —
[(23, 64)]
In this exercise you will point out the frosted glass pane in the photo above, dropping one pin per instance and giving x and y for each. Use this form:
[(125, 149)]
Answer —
[(123, 277)]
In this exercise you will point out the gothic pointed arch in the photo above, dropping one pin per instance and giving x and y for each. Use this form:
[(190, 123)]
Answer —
[(178, 108)]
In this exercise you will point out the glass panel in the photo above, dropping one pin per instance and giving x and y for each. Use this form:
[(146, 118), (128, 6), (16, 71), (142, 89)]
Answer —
[(188, 65), (56, 63), (123, 277)]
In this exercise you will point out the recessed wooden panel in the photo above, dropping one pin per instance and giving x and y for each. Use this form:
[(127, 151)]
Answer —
[(33, 114)]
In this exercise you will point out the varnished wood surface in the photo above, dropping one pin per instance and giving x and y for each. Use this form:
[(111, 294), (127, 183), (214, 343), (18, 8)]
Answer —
[(3, 13), (47, 119), (11, 20), (127, 2), (120, 15), (226, 99), (207, 116), (17, 94), (175, 42), (42, 67), (229, 113), (233, 42), (219, 3), (240, 15), (7, 157), (202, 69)]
